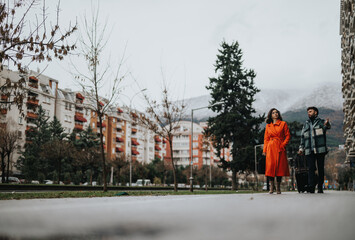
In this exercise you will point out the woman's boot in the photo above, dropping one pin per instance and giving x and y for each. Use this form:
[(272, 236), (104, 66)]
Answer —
[(278, 188), (271, 187)]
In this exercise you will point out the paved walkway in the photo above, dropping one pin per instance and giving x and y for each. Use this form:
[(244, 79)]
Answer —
[(238, 216)]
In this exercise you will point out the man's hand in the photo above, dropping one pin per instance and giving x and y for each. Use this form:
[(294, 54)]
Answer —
[(326, 122), (300, 152)]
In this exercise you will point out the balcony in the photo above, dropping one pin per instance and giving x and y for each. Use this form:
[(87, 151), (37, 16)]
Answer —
[(135, 142), (135, 152), (119, 139), (32, 115), (103, 124), (134, 130), (157, 156), (118, 149), (157, 139), (32, 101), (78, 126), (4, 97), (3, 111), (33, 85), (134, 158), (79, 117), (33, 79), (80, 97), (119, 110), (157, 148)]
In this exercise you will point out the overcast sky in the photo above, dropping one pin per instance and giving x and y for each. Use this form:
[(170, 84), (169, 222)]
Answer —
[(290, 44)]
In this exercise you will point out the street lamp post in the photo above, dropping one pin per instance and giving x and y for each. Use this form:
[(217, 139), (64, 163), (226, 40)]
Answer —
[(192, 139), (130, 138), (256, 166)]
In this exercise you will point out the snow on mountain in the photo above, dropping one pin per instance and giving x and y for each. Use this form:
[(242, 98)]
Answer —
[(327, 95)]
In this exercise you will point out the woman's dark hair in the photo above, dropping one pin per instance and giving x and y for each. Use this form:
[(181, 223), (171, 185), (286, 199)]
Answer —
[(269, 118)]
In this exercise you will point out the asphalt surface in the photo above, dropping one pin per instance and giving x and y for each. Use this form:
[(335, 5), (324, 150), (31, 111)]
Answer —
[(239, 216)]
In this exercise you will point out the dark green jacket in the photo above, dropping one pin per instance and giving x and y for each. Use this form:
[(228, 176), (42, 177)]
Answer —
[(313, 136)]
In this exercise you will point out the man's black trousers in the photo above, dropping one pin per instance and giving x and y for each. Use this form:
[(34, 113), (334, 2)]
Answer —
[(315, 161)]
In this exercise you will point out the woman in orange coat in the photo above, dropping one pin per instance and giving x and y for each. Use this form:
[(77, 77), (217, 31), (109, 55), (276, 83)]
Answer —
[(276, 138)]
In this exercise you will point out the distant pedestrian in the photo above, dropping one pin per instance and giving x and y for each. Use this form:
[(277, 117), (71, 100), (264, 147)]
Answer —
[(314, 146), (277, 136)]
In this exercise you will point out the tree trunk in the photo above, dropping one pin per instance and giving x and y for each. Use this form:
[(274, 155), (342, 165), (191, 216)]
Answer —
[(118, 176), (173, 165), (3, 167), (234, 180), (206, 178), (103, 155), (91, 177), (8, 168), (59, 170)]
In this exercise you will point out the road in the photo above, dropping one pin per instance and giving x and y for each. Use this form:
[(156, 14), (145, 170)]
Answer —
[(290, 216)]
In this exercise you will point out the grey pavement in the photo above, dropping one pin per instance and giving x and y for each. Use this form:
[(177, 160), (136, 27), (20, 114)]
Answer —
[(238, 216)]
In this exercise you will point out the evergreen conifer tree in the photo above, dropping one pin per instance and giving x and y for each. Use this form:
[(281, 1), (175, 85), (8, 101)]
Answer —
[(235, 127), (57, 151), (30, 163)]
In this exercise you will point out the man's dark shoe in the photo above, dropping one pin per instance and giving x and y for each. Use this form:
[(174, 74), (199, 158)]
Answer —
[(320, 191), (311, 189)]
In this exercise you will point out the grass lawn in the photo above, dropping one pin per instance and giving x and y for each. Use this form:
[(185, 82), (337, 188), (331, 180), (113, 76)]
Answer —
[(91, 194)]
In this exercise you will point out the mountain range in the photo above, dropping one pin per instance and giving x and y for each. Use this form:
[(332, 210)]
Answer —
[(292, 104), (327, 95)]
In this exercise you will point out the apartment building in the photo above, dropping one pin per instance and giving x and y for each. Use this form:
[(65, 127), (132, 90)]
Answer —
[(202, 148), (347, 32), (40, 90), (122, 135)]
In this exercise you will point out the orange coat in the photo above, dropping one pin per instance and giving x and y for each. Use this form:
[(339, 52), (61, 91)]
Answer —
[(276, 138)]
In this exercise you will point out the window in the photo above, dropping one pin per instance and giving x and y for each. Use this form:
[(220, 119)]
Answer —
[(113, 150), (195, 137), (195, 152), (114, 120), (93, 125), (20, 120), (195, 144), (19, 134)]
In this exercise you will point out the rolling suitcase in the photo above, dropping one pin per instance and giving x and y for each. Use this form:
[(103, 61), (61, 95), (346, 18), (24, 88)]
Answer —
[(301, 172)]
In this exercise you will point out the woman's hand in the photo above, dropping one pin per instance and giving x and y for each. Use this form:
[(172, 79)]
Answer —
[(264, 153)]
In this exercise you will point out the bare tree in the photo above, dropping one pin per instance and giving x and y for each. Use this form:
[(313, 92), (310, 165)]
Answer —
[(8, 144), (118, 163), (94, 81), (56, 151), (164, 119), (23, 41)]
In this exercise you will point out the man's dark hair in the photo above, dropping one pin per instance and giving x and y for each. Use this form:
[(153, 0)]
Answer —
[(269, 118), (313, 108)]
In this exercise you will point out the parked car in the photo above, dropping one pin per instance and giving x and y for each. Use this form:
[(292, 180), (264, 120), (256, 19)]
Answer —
[(13, 180), (140, 183), (51, 182), (88, 184)]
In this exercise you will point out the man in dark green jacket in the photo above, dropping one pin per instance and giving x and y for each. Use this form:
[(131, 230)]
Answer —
[(314, 146)]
